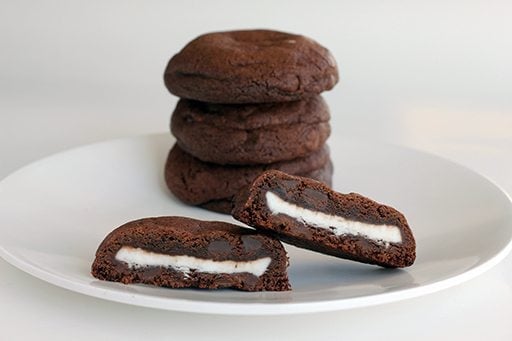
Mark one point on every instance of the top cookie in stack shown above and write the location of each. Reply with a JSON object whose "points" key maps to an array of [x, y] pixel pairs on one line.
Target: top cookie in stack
{"points": [[249, 102], [257, 66]]}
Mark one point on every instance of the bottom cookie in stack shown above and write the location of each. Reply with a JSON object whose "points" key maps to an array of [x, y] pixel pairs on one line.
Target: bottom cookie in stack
{"points": [[213, 186]]}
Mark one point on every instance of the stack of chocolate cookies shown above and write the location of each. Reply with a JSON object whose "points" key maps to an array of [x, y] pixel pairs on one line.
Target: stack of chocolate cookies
{"points": [[249, 102]]}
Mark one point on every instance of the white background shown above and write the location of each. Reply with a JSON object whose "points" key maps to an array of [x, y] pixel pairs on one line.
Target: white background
{"points": [[433, 75]]}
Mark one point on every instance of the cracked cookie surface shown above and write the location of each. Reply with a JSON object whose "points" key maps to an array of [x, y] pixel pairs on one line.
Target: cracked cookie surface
{"points": [[213, 186], [251, 133], [251, 66]]}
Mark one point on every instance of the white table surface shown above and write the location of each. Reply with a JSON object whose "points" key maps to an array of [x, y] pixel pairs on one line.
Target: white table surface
{"points": [[432, 75]]}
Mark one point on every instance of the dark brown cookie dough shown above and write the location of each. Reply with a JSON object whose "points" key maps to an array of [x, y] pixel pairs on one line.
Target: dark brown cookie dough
{"points": [[308, 214], [252, 66], [213, 186], [251, 134], [198, 254]]}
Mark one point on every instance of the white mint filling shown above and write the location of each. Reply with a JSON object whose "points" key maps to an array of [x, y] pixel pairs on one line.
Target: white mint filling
{"points": [[337, 225], [139, 258]]}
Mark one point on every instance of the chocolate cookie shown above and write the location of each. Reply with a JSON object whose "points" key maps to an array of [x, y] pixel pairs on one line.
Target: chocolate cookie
{"points": [[323, 174], [253, 66], [308, 214], [213, 186], [181, 252], [251, 134]]}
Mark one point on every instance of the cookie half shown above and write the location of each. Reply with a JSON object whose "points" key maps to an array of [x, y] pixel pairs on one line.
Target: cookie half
{"points": [[179, 252], [308, 214], [252, 133], [251, 66], [213, 186]]}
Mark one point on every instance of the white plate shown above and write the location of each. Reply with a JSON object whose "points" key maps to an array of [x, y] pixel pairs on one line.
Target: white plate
{"points": [[55, 212]]}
